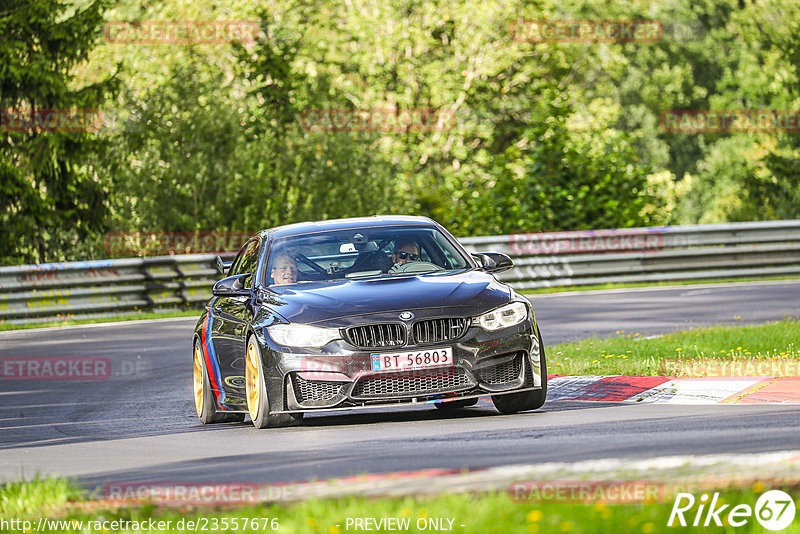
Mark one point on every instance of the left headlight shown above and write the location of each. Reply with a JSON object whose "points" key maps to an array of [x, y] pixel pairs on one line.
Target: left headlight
{"points": [[302, 335], [503, 317]]}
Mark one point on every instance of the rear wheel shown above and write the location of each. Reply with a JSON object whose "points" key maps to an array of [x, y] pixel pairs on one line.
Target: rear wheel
{"points": [[455, 405], [204, 403], [256, 392], [526, 400]]}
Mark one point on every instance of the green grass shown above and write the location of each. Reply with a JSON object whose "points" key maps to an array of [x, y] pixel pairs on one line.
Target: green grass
{"points": [[595, 287], [119, 318], [22, 499], [775, 345], [485, 513]]}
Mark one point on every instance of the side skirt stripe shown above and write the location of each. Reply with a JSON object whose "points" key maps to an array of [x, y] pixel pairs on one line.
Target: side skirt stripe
{"points": [[211, 362]]}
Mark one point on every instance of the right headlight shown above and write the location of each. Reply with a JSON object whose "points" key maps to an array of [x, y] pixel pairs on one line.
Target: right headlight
{"points": [[302, 335], [503, 317]]}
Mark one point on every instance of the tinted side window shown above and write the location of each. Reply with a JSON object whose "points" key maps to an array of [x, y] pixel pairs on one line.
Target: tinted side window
{"points": [[236, 262], [248, 261]]}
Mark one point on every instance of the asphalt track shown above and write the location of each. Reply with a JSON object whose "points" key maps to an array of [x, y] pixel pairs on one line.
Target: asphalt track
{"points": [[139, 423]]}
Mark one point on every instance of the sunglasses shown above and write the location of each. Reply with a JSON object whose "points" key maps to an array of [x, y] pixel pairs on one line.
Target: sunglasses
{"points": [[405, 255]]}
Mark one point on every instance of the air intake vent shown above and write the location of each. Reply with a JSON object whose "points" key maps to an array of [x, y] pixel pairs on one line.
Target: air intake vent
{"points": [[411, 383], [438, 330], [315, 390], [377, 335], [503, 373]]}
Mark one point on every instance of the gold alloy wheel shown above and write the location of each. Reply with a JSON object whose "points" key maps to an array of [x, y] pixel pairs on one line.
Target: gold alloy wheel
{"points": [[253, 381], [198, 380]]}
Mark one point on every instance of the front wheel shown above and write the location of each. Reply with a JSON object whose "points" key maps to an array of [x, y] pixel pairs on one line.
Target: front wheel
{"points": [[256, 391], [204, 403], [526, 400]]}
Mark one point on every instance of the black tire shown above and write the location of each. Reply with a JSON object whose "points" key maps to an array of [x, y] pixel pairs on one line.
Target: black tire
{"points": [[526, 400], [455, 405], [256, 392], [205, 404]]}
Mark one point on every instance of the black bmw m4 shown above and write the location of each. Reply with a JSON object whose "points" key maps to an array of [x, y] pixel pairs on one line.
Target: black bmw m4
{"points": [[358, 313]]}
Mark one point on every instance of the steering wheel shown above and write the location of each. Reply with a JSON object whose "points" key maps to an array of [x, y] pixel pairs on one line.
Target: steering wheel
{"points": [[414, 267]]}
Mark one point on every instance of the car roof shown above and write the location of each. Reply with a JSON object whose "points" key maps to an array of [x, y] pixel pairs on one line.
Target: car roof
{"points": [[344, 224]]}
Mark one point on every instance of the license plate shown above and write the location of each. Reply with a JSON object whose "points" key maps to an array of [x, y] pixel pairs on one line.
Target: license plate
{"points": [[416, 359]]}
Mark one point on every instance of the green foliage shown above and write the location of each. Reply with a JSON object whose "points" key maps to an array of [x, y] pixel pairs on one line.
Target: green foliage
{"points": [[175, 152], [189, 156], [535, 136], [50, 198], [775, 187], [555, 178]]}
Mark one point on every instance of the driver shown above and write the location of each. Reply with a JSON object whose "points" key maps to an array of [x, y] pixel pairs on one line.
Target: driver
{"points": [[284, 269], [405, 250]]}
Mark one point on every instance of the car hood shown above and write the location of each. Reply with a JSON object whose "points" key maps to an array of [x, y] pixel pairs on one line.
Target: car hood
{"points": [[320, 302]]}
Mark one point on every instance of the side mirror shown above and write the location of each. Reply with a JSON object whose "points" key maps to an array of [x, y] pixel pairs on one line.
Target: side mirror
{"points": [[493, 262], [231, 286]]}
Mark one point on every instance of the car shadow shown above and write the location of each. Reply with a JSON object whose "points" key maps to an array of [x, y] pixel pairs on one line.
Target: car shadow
{"points": [[483, 409]]}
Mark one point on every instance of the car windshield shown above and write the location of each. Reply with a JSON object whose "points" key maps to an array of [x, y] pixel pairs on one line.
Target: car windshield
{"points": [[361, 253]]}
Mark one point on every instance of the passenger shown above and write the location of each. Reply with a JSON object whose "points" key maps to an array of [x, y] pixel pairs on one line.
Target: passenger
{"points": [[284, 269], [405, 250]]}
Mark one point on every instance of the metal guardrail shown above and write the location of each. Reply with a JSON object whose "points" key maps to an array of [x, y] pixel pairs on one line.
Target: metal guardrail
{"points": [[103, 288], [57, 291], [656, 254]]}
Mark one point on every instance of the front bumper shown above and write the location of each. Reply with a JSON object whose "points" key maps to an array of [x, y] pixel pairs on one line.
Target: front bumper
{"points": [[340, 376]]}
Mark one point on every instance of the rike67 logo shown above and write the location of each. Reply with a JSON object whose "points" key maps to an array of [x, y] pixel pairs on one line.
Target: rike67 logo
{"points": [[774, 510]]}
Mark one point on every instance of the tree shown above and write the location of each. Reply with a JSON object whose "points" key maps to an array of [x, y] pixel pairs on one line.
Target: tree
{"points": [[50, 197]]}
